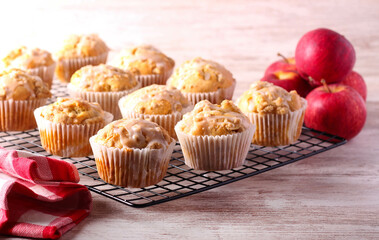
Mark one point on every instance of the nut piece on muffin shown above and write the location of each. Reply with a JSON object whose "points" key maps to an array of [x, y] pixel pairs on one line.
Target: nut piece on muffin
{"points": [[148, 64], [161, 104], [199, 79], [103, 84], [132, 152], [78, 51], [215, 137], [66, 125], [278, 114], [34, 61], [20, 94]]}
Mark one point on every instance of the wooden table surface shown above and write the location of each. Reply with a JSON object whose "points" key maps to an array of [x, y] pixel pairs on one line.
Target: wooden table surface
{"points": [[333, 195]]}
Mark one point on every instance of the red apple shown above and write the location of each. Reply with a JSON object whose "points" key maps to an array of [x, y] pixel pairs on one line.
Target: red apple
{"points": [[336, 109], [285, 64], [289, 80], [355, 80], [324, 54]]}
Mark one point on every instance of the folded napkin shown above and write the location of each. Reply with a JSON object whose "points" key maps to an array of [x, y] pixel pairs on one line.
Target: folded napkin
{"points": [[39, 196]]}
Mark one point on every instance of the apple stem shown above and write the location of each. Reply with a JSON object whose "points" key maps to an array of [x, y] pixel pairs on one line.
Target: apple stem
{"points": [[284, 58], [325, 85]]}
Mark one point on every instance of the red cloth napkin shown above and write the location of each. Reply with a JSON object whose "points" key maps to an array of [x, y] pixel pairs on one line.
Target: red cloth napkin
{"points": [[39, 196]]}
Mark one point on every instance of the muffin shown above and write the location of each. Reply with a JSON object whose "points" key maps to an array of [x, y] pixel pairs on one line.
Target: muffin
{"points": [[79, 51], [159, 103], [66, 125], [278, 114], [20, 94], [199, 79], [148, 64], [34, 61], [215, 137], [103, 84], [132, 152]]}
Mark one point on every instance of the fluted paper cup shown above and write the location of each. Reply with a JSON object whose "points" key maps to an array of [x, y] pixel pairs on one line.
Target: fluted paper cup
{"points": [[46, 73], [67, 67], [17, 115], [150, 79], [214, 97], [67, 140], [107, 100], [278, 129], [167, 121], [135, 168], [214, 153]]}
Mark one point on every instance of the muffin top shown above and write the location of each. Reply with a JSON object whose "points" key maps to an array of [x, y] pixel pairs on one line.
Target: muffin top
{"points": [[155, 99], [133, 133], [103, 78], [82, 46], [266, 98], [16, 84], [26, 58], [214, 120], [144, 60], [200, 75], [73, 111]]}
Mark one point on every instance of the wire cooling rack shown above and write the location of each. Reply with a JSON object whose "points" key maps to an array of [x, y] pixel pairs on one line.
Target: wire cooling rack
{"points": [[181, 180]]}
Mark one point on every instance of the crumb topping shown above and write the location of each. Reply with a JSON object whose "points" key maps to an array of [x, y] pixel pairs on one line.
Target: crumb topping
{"points": [[26, 58], [17, 84], [73, 111], [82, 46], [155, 99], [133, 133], [212, 119], [200, 75], [144, 60], [103, 78], [266, 98]]}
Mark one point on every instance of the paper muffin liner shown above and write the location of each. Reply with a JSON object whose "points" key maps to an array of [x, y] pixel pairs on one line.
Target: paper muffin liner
{"points": [[150, 79], [214, 97], [67, 140], [135, 168], [278, 129], [17, 115], [46, 73], [107, 100], [214, 153], [67, 67], [167, 121]]}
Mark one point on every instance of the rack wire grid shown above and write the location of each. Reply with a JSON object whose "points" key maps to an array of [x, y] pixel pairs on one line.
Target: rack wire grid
{"points": [[180, 180]]}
